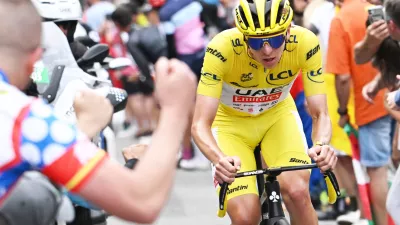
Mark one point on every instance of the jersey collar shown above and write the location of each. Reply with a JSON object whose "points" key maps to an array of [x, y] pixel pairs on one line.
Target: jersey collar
{"points": [[3, 77]]}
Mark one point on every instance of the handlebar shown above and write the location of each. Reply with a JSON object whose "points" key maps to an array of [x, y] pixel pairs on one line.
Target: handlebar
{"points": [[329, 176]]}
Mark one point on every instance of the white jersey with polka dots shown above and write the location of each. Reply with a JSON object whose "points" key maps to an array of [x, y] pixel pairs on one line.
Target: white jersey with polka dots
{"points": [[33, 137]]}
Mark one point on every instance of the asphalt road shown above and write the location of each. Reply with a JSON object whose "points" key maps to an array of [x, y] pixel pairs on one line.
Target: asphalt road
{"points": [[193, 199]]}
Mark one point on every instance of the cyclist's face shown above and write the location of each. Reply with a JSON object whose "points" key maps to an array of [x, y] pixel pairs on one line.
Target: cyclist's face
{"points": [[267, 50]]}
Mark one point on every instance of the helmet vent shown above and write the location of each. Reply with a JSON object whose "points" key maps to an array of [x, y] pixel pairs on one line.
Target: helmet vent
{"points": [[246, 23], [280, 10]]}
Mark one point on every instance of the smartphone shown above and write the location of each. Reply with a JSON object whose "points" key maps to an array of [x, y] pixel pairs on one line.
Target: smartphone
{"points": [[376, 13]]}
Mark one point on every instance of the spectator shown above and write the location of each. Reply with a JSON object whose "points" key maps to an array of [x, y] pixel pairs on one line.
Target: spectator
{"points": [[387, 60], [212, 18], [97, 12], [150, 41], [320, 22], [187, 42], [228, 6], [140, 105], [187, 34], [309, 10], [298, 9], [372, 119]]}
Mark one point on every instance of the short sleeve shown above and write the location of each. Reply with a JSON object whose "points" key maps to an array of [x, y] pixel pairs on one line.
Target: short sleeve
{"points": [[216, 65], [311, 64], [338, 57], [55, 147]]}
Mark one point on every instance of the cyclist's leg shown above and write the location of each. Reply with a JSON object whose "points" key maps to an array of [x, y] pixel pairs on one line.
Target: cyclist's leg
{"points": [[285, 145], [243, 204]]}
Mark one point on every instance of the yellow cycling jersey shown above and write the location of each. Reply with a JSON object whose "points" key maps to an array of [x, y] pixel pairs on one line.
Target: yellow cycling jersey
{"points": [[244, 86]]}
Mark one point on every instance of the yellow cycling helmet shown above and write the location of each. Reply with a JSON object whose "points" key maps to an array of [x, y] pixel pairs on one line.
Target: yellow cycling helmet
{"points": [[263, 17]]}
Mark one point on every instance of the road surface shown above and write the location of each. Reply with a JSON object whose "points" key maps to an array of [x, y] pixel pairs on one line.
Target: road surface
{"points": [[193, 199]]}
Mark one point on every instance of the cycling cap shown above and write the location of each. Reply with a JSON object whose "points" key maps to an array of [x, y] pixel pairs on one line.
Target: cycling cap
{"points": [[59, 10], [157, 3], [263, 17]]}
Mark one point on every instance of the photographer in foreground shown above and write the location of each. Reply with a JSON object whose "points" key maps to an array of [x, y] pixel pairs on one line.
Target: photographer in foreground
{"points": [[34, 137]]}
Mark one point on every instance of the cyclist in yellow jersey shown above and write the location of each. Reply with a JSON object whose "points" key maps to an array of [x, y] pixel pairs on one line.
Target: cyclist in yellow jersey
{"points": [[243, 100]]}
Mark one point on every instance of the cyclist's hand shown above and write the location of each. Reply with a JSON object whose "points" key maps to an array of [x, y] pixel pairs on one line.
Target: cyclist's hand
{"points": [[226, 169], [377, 32], [175, 85], [324, 156]]}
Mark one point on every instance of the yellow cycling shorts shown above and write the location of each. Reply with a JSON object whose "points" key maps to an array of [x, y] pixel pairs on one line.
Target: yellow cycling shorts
{"points": [[280, 132]]}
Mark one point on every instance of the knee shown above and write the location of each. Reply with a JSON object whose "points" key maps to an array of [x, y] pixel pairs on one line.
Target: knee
{"points": [[244, 211], [296, 191], [246, 217]]}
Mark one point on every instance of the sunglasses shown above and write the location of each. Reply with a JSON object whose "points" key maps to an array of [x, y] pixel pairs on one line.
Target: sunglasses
{"points": [[257, 43]]}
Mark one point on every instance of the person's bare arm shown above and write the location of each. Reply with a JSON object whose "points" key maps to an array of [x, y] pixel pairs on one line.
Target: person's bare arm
{"points": [[139, 195], [205, 111], [343, 83], [322, 127], [363, 52], [367, 48]]}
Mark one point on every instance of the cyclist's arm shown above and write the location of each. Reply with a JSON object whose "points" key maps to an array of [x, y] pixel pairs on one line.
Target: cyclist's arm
{"points": [[205, 111], [208, 94], [322, 127], [66, 156], [314, 87]]}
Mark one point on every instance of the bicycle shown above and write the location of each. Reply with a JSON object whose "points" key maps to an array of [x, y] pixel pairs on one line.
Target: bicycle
{"points": [[272, 211]]}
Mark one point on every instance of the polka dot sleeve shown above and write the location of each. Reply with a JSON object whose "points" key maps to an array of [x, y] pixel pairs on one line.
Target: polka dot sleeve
{"points": [[55, 146]]}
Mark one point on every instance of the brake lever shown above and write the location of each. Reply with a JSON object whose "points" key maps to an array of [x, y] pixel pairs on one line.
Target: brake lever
{"points": [[333, 180], [222, 195]]}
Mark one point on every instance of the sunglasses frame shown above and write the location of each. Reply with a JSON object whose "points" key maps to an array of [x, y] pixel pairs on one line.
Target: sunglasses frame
{"points": [[246, 38]]}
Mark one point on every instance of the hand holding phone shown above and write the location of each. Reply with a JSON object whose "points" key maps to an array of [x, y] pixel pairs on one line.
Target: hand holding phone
{"points": [[376, 13]]}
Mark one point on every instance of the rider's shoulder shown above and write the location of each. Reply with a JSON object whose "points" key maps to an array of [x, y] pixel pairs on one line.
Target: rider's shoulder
{"points": [[226, 41]]}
